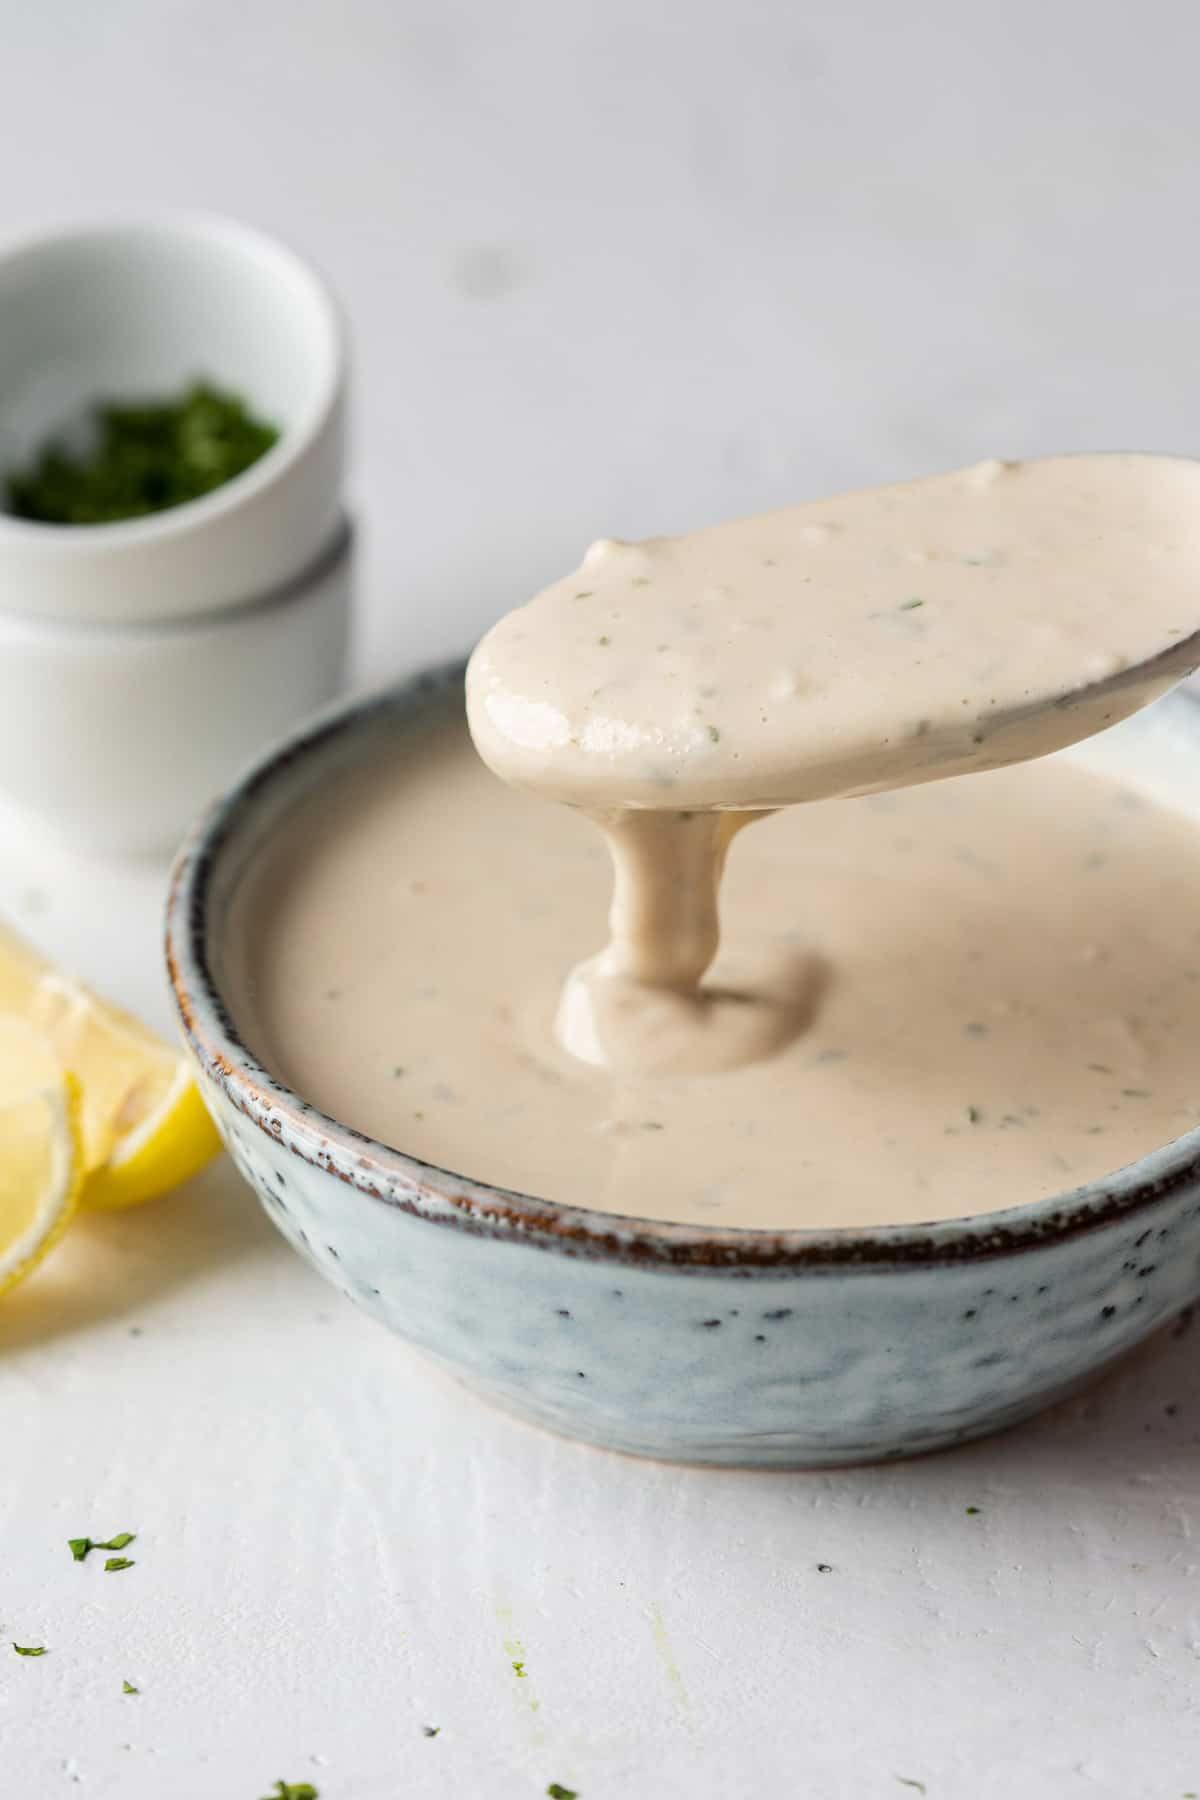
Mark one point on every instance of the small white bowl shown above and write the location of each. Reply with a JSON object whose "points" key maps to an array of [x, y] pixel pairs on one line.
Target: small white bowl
{"points": [[116, 735], [129, 310], [142, 662]]}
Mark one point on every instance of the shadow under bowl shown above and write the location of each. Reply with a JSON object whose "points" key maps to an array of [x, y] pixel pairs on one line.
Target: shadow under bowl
{"points": [[714, 1345]]}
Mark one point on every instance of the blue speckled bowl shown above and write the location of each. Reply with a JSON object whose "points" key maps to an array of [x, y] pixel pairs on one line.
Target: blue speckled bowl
{"points": [[706, 1345]]}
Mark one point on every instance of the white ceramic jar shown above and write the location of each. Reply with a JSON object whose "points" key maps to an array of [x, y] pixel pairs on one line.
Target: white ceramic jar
{"points": [[142, 662]]}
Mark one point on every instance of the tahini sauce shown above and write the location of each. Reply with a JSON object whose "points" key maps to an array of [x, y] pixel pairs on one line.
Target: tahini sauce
{"points": [[918, 1005]]}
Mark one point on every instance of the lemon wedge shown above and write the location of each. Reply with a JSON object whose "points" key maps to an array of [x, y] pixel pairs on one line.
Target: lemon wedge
{"points": [[143, 1123], [172, 1141], [41, 1150]]}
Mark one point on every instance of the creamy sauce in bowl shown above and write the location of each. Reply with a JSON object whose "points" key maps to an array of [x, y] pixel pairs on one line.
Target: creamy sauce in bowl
{"points": [[925, 995], [999, 977]]}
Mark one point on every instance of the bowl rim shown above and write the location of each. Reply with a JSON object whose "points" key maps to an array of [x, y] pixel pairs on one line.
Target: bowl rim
{"points": [[444, 1196], [289, 268]]}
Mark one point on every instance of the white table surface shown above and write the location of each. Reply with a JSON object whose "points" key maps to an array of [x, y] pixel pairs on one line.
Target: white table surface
{"points": [[611, 268]]}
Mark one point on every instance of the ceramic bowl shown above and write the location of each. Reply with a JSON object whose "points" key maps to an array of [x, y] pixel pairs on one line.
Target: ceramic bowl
{"points": [[142, 662], [143, 309], [114, 736], [717, 1345]]}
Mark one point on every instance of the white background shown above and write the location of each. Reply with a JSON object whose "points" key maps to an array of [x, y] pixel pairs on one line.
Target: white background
{"points": [[611, 268]]}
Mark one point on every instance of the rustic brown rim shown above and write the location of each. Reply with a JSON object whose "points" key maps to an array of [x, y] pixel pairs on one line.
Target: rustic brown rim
{"points": [[444, 1197]]}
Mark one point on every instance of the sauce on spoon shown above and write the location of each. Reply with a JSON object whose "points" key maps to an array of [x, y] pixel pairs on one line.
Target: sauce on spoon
{"points": [[673, 689]]}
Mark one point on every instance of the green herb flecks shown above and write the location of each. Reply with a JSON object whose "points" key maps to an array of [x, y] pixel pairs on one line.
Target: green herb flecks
{"points": [[30, 1649], [584, 594], [907, 1781], [971, 1511], [127, 1687], [430, 1730], [604, 642], [911, 605], [518, 1670], [80, 1546], [143, 458], [975, 1114], [118, 1562], [293, 1790], [714, 736], [557, 1791]]}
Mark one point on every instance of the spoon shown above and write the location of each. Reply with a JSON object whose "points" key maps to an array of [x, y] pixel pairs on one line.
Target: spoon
{"points": [[883, 638]]}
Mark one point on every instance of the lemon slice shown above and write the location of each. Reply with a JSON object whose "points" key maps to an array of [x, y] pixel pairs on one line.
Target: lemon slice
{"points": [[41, 1150], [143, 1122], [171, 1142]]}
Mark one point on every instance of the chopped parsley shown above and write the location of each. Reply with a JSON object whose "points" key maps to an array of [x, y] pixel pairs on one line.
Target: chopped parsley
{"points": [[432, 1730], [144, 456], [118, 1562], [974, 1114], [293, 1790], [907, 1781], [557, 1791], [80, 1546], [30, 1649], [714, 735], [910, 606], [604, 642], [127, 1687], [971, 1511], [518, 1670]]}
